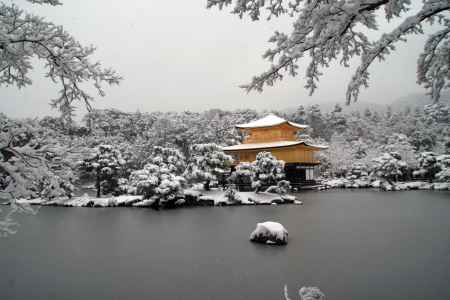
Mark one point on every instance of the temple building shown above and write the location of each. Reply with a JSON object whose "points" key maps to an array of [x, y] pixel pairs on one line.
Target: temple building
{"points": [[281, 138]]}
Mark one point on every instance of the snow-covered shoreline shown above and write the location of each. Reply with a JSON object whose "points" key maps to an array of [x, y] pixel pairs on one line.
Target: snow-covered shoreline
{"points": [[217, 197], [383, 185], [214, 197]]}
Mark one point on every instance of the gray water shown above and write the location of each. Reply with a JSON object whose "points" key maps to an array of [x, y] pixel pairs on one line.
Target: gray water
{"points": [[352, 244]]}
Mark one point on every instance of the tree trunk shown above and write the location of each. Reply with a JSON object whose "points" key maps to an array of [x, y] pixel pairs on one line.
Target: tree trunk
{"points": [[97, 183], [206, 185]]}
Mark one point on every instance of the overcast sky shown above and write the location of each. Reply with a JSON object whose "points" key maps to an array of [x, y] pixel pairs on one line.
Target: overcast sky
{"points": [[177, 55]]}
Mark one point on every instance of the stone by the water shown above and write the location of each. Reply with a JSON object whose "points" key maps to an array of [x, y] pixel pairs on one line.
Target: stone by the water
{"points": [[269, 233]]}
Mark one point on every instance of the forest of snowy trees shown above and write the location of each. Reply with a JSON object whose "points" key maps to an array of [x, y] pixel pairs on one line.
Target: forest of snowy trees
{"points": [[161, 153]]}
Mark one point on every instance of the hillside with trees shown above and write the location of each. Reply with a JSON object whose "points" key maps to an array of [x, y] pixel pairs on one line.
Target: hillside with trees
{"points": [[160, 153]]}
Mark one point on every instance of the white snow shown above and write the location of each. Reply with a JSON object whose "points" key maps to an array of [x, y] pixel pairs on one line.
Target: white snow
{"points": [[442, 186], [269, 145], [414, 185], [311, 293], [217, 196], [36, 201], [125, 200], [213, 197], [144, 203], [269, 232], [268, 121], [262, 145]]}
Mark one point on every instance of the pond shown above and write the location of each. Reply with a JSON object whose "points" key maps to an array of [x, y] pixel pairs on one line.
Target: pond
{"points": [[352, 244]]}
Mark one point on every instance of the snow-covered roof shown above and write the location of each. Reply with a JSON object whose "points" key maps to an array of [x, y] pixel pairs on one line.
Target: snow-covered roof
{"points": [[267, 145], [268, 121]]}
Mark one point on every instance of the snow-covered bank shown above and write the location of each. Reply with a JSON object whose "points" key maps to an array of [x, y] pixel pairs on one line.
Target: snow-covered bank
{"points": [[191, 197], [383, 185], [218, 197]]}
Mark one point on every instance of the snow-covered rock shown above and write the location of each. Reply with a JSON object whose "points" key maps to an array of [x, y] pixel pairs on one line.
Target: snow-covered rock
{"points": [[426, 186], [82, 201], [37, 201], [401, 186], [361, 183], [145, 203], [441, 186], [245, 200], [335, 183], [104, 202], [415, 185], [180, 202], [269, 233], [376, 184], [127, 200], [386, 186], [206, 200], [288, 198], [311, 293], [264, 198]]}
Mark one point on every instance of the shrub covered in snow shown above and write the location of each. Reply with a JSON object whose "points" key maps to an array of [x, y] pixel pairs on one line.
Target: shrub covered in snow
{"points": [[265, 171], [433, 167], [243, 175], [390, 166], [231, 194], [281, 188], [357, 170], [207, 163], [401, 144], [443, 162], [160, 178], [169, 158], [268, 171]]}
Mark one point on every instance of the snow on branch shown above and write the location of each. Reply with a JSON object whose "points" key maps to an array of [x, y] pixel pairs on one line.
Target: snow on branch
{"points": [[328, 31], [433, 67], [24, 36], [384, 46], [51, 2]]}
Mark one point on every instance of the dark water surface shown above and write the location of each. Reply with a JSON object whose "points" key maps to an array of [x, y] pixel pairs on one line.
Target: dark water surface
{"points": [[352, 244]]}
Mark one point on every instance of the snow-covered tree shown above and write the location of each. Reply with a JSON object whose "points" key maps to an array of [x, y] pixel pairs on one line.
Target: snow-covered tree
{"points": [[400, 143], [207, 163], [390, 166], [339, 154], [106, 163], [427, 165], [169, 158], [32, 162], [269, 171], [443, 162], [299, 116], [328, 31], [157, 182], [24, 37], [315, 119], [161, 177]]}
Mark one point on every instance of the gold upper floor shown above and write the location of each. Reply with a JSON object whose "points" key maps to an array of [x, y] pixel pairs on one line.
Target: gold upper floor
{"points": [[282, 132]]}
